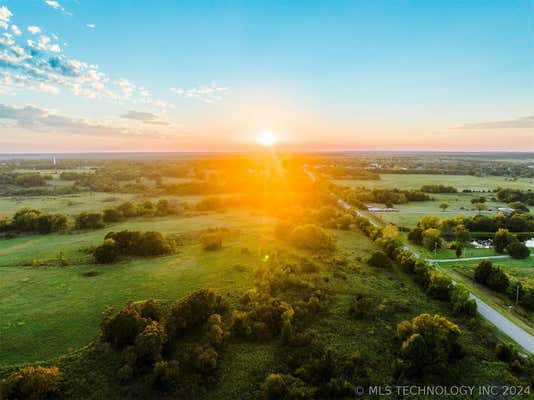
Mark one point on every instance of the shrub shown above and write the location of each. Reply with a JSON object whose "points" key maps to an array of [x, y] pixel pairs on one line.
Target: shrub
{"points": [[517, 249], [111, 215], [498, 280], [461, 303], [428, 341], [501, 240], [505, 352], [87, 220], [215, 330], [150, 309], [31, 383], [152, 244], [149, 343], [422, 273], [211, 240], [439, 286], [311, 237], [127, 209], [379, 259], [416, 235], [194, 310], [482, 271], [106, 253], [166, 374], [432, 239], [282, 230], [204, 359], [122, 329]]}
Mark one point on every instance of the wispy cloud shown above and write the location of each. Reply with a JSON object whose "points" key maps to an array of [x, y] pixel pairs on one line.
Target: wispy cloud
{"points": [[207, 94], [5, 16], [144, 117], [57, 6], [517, 123], [91, 26], [41, 120]]}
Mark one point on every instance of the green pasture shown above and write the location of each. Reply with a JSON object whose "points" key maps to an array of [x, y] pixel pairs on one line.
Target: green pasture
{"points": [[461, 182]]}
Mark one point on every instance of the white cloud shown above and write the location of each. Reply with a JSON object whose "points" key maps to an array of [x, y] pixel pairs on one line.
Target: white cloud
{"points": [[34, 29], [92, 26], [56, 6], [207, 94], [55, 48], [16, 30], [5, 16]]}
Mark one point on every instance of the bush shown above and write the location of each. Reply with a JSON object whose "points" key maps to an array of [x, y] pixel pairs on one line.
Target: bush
{"points": [[122, 329], [439, 286], [204, 359], [149, 343], [482, 271], [127, 209], [31, 383], [505, 352], [87, 220], [166, 375], [422, 273], [194, 310], [211, 240], [215, 330], [380, 259], [111, 215], [517, 249], [106, 253], [432, 239], [428, 341], [461, 303], [501, 240], [498, 280], [311, 237]]}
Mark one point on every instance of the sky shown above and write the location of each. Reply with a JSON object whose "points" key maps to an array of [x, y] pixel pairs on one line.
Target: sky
{"points": [[92, 75]]}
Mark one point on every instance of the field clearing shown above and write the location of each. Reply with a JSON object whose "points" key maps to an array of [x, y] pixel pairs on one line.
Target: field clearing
{"points": [[461, 182], [22, 250], [459, 205], [76, 203], [49, 311]]}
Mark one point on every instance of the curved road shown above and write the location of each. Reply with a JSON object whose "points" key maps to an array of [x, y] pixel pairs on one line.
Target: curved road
{"points": [[510, 329]]}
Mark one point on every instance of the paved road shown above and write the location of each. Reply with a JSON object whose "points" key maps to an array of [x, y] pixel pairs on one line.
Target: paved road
{"points": [[514, 332], [466, 259]]}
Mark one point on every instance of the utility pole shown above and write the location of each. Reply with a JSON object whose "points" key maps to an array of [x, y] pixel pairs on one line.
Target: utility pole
{"points": [[516, 294]]}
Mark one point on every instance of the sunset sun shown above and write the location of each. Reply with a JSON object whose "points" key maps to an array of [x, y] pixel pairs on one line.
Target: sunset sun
{"points": [[267, 138]]}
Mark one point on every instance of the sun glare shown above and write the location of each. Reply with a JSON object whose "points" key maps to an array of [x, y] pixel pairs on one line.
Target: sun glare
{"points": [[266, 138]]}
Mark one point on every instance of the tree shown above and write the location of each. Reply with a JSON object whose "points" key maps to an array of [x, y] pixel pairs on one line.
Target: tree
{"points": [[31, 383], [416, 235], [439, 286], [482, 271], [122, 329], [428, 221], [459, 250], [518, 249], [311, 237], [428, 341], [501, 240], [443, 206], [111, 215], [462, 234], [518, 206], [432, 239], [480, 207]]}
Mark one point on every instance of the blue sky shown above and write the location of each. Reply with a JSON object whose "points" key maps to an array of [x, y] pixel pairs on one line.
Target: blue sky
{"points": [[195, 75]]}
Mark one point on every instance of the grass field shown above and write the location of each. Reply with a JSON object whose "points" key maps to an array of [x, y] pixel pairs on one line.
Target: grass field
{"points": [[48, 311], [459, 205], [76, 203], [461, 182]]}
